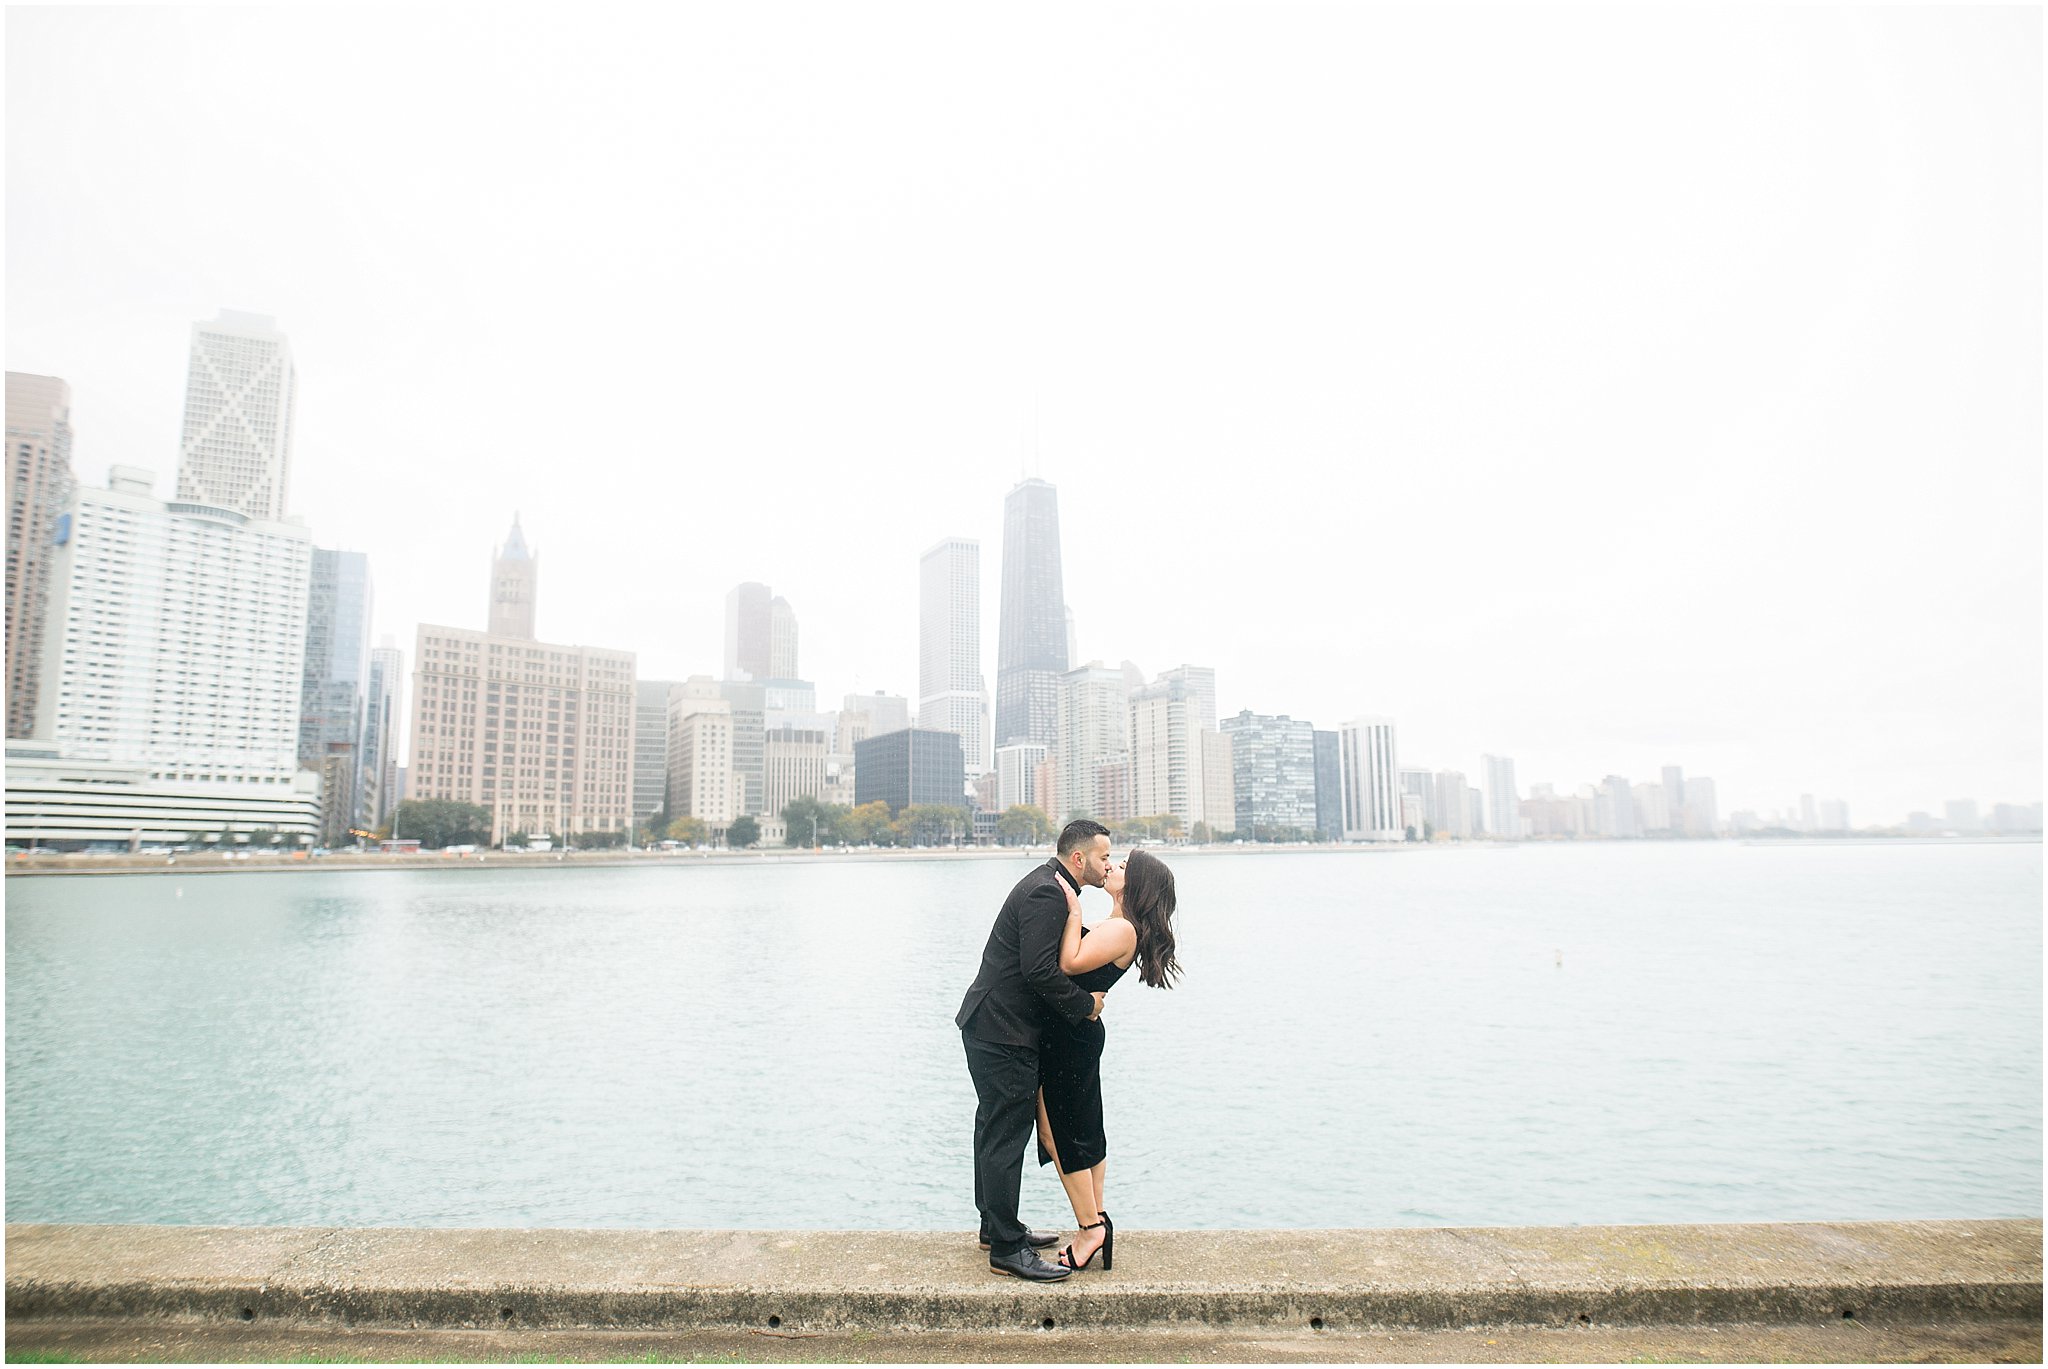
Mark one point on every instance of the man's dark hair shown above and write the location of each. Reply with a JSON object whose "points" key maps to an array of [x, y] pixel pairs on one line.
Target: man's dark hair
{"points": [[1079, 833]]}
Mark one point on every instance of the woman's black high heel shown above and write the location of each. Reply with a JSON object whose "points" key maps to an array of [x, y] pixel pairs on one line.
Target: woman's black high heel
{"points": [[1067, 1255], [1108, 1239]]}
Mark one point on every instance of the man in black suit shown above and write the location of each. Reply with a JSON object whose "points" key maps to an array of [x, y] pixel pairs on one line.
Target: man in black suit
{"points": [[1019, 982]]}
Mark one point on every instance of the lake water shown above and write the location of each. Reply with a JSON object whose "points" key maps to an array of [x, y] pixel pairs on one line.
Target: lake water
{"points": [[1552, 1034]]}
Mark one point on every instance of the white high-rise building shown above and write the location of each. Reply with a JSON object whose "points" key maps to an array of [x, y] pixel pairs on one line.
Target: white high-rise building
{"points": [[1503, 805], [39, 489], [1653, 812], [240, 395], [1219, 783], [1369, 780], [1017, 769], [1702, 807], [702, 781], [178, 638], [781, 640], [1166, 749], [952, 695], [1093, 744]]}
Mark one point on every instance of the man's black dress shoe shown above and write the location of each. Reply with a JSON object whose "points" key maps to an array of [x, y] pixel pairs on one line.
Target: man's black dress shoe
{"points": [[1026, 1264], [1041, 1239]]}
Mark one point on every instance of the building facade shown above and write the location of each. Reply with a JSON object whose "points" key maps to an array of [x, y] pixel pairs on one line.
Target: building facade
{"points": [[334, 693], [650, 747], [1166, 752], [1329, 788], [241, 394], [750, 632], [39, 490], [1031, 642], [1273, 769], [1017, 776], [386, 714], [539, 734], [176, 639], [1092, 744], [793, 767], [1503, 804], [59, 803], [912, 765], [1368, 779], [702, 783], [952, 694], [1219, 784]]}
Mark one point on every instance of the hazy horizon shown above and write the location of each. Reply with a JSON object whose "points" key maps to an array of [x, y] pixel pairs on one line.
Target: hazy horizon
{"points": [[1605, 389]]}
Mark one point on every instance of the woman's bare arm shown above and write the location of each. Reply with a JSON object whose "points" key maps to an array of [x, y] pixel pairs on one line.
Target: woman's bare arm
{"points": [[1112, 940]]}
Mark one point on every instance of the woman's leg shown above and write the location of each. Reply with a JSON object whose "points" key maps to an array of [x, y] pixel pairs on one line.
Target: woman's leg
{"points": [[1095, 1175], [1080, 1187]]}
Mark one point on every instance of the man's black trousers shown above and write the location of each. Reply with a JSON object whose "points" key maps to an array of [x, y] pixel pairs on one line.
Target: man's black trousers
{"points": [[1006, 1085]]}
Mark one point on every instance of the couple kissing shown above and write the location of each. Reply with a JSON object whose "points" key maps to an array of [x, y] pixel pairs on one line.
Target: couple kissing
{"points": [[1032, 1027]]}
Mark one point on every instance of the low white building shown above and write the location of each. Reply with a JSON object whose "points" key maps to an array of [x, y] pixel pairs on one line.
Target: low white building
{"points": [[56, 803]]}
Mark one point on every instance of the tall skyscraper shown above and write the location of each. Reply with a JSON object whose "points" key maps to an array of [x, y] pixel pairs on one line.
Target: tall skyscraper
{"points": [[701, 781], [952, 695], [884, 713], [1273, 763], [1017, 770], [1166, 752], [1031, 643], [1368, 780], [781, 640], [650, 747], [1674, 797], [541, 735], [749, 728], [386, 716], [1329, 788], [1452, 813], [1614, 808], [1702, 807], [1092, 754], [39, 490], [334, 694], [515, 587], [241, 393], [792, 767], [750, 632], [1219, 784], [177, 638], [1503, 804]]}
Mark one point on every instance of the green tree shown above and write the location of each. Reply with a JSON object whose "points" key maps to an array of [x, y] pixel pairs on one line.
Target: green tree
{"points": [[933, 824], [798, 819], [443, 822], [686, 829], [1022, 824], [743, 833], [868, 823]]}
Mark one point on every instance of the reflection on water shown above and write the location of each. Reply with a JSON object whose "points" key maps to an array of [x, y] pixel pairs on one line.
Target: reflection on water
{"points": [[1617, 1033]]}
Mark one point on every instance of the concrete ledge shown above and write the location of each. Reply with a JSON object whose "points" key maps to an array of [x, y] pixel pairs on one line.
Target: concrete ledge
{"points": [[1421, 1279]]}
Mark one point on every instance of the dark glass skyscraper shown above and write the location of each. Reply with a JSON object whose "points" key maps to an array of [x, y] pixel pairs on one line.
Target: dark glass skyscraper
{"points": [[1031, 642]]}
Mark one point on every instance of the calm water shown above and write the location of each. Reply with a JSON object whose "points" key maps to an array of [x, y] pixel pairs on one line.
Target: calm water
{"points": [[1732, 1033]]}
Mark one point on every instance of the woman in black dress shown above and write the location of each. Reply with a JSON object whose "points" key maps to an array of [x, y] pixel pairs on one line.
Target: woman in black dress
{"points": [[1139, 929]]}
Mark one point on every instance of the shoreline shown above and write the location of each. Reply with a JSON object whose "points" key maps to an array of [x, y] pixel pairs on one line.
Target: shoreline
{"points": [[27, 865]]}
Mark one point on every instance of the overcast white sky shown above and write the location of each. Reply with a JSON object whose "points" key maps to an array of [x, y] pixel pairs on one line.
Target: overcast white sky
{"points": [[1602, 388]]}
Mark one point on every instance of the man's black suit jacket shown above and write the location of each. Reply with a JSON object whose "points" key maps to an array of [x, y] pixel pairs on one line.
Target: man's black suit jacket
{"points": [[1020, 975]]}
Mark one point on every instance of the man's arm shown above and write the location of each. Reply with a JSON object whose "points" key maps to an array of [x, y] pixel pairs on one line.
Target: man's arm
{"points": [[1039, 922]]}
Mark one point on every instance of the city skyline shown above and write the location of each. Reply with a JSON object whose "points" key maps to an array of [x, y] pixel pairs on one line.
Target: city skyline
{"points": [[1627, 592]]}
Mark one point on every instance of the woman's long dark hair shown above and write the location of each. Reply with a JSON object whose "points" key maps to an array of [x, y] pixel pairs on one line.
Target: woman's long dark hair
{"points": [[1148, 903]]}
